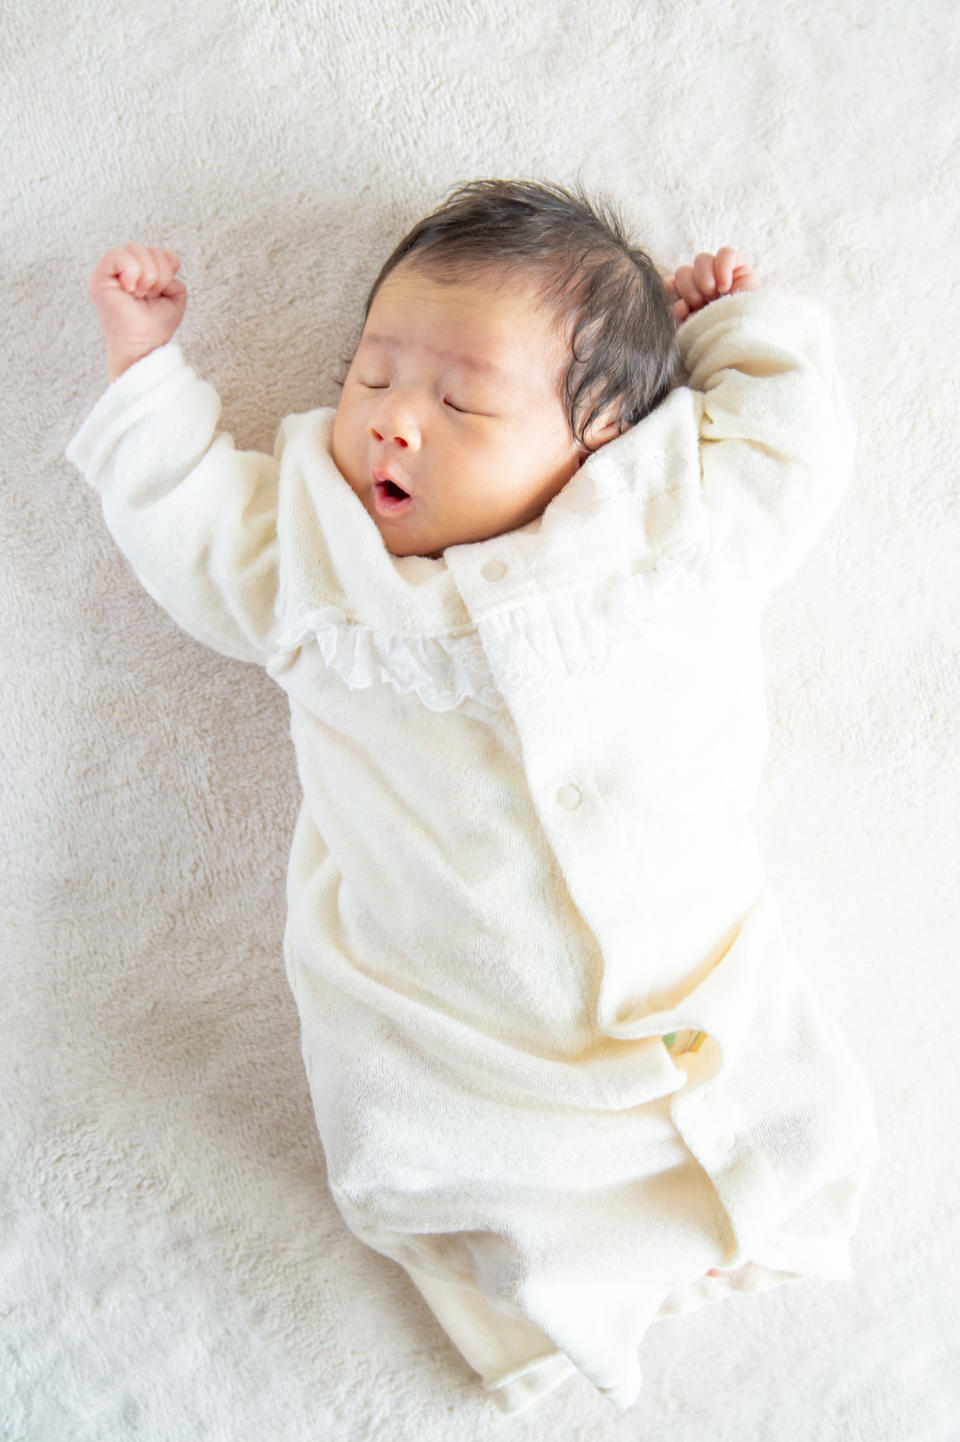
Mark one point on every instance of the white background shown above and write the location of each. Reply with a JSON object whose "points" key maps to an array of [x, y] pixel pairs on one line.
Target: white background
{"points": [[172, 1266]]}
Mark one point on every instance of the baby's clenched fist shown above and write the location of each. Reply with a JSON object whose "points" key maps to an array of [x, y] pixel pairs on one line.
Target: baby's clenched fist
{"points": [[138, 300], [709, 278]]}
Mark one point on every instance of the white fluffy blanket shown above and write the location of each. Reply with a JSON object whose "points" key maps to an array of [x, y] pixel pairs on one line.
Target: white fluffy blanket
{"points": [[172, 1266]]}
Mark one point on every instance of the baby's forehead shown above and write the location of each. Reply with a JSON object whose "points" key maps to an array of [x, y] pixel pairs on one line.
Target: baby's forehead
{"points": [[466, 360], [495, 336], [420, 296]]}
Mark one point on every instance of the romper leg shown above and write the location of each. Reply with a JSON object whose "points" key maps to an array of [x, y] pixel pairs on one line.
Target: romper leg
{"points": [[518, 1363]]}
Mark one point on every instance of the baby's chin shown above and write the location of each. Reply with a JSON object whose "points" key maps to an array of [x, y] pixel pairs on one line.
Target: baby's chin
{"points": [[399, 545], [403, 549]]}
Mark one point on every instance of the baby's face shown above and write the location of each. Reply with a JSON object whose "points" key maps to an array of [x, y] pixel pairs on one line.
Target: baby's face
{"points": [[450, 427]]}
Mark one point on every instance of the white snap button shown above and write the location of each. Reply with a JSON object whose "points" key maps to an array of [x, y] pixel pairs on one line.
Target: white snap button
{"points": [[726, 1141], [568, 797], [493, 571]]}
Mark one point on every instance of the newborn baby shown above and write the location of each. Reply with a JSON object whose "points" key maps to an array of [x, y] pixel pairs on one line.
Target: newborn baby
{"points": [[565, 1068]]}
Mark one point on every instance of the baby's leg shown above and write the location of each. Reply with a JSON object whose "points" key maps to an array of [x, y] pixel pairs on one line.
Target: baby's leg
{"points": [[518, 1363]]}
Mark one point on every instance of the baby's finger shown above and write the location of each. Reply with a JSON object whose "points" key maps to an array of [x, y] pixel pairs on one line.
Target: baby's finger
{"points": [[165, 273], [744, 278], [703, 274], [128, 267], [686, 287], [727, 260], [147, 268], [113, 265], [169, 266], [678, 307]]}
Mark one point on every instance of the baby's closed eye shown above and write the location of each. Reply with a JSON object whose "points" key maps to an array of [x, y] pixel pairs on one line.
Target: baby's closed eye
{"points": [[467, 408], [460, 405]]}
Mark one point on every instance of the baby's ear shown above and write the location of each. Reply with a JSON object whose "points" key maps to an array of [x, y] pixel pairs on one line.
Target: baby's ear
{"points": [[603, 428]]}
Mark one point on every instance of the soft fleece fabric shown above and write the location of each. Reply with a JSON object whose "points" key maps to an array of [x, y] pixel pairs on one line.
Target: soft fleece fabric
{"points": [[523, 856]]}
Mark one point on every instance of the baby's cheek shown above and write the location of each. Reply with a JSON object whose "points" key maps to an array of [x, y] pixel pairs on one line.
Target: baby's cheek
{"points": [[344, 444]]}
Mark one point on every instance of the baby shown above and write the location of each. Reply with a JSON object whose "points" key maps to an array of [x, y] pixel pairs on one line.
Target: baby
{"points": [[564, 1066]]}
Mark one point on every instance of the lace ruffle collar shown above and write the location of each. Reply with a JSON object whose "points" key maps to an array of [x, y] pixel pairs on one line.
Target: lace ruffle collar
{"points": [[512, 653]]}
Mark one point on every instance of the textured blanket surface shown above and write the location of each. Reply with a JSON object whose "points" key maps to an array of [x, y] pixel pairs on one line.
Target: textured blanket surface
{"points": [[171, 1264]]}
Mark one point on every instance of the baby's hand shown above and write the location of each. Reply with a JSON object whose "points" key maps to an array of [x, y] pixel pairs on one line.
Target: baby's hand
{"points": [[710, 276], [138, 302]]}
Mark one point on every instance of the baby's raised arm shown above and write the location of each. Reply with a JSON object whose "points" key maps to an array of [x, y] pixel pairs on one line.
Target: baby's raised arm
{"points": [[693, 286], [776, 436], [138, 300], [195, 517]]}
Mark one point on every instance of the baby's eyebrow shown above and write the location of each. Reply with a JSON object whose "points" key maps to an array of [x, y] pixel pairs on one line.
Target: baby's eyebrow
{"points": [[482, 367]]}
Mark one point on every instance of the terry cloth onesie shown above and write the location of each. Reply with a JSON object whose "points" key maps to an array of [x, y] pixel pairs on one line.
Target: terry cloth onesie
{"points": [[524, 857]]}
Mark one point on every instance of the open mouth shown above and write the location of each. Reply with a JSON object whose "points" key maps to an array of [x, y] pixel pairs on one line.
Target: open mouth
{"points": [[389, 498]]}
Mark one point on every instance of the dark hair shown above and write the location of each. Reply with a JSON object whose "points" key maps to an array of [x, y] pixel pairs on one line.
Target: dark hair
{"points": [[622, 335]]}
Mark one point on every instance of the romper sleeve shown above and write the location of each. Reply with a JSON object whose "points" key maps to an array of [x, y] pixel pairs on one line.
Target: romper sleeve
{"points": [[195, 517], [776, 438]]}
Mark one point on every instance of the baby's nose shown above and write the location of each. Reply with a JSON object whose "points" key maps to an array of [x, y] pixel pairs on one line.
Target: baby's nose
{"points": [[398, 439], [396, 422]]}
